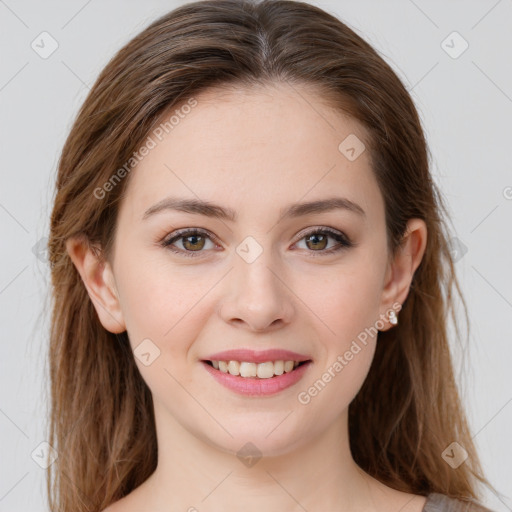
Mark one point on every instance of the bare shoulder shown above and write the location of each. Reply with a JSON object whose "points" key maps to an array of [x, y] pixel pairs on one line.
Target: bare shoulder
{"points": [[406, 502], [114, 507], [123, 505], [387, 499], [135, 501], [437, 502]]}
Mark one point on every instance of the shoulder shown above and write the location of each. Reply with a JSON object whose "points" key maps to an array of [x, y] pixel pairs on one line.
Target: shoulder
{"points": [[437, 502], [132, 502], [117, 506]]}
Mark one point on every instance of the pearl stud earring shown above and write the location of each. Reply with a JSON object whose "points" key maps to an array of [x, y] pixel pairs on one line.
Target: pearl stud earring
{"points": [[392, 318]]}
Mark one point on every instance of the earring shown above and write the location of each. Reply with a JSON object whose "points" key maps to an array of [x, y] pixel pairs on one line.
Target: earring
{"points": [[392, 318]]}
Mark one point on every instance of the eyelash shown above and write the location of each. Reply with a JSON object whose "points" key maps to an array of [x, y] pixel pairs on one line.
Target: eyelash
{"points": [[343, 241]]}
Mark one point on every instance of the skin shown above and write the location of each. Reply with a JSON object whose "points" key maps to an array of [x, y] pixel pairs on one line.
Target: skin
{"points": [[255, 151]]}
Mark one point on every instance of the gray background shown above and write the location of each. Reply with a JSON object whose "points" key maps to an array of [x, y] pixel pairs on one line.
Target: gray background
{"points": [[465, 104]]}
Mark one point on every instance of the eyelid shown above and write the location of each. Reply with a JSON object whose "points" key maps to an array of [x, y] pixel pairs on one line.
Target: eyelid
{"points": [[179, 233], [315, 229], [344, 242]]}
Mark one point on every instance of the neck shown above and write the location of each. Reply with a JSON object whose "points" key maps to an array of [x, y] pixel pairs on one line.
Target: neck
{"points": [[194, 475]]}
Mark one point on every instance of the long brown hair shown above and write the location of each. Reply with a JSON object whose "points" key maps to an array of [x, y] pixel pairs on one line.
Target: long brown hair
{"points": [[408, 410]]}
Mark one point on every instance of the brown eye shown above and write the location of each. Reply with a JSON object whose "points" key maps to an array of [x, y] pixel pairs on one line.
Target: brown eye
{"points": [[192, 241], [316, 241]]}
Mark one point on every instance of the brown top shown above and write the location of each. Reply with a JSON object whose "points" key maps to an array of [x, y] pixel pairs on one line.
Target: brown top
{"points": [[441, 503]]}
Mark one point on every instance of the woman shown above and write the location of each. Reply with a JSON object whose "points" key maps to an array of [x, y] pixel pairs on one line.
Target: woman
{"points": [[251, 279]]}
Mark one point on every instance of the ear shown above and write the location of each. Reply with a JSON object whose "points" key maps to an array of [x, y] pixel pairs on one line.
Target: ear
{"points": [[400, 271], [98, 278]]}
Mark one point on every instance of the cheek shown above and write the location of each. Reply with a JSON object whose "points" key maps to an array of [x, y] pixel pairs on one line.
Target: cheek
{"points": [[161, 313], [347, 309], [162, 301], [345, 302], [347, 332]]}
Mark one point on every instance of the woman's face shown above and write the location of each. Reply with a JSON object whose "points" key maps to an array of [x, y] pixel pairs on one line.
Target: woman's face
{"points": [[259, 281]]}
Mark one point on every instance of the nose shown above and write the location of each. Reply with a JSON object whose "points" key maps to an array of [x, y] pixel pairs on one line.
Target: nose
{"points": [[256, 296]]}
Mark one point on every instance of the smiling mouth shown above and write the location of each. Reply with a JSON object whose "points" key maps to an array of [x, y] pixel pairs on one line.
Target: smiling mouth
{"points": [[248, 370]]}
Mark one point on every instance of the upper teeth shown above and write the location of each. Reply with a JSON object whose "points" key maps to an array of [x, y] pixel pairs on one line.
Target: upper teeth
{"points": [[262, 370]]}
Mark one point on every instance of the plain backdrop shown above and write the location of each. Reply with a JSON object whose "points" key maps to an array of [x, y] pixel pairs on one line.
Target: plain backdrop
{"points": [[462, 85]]}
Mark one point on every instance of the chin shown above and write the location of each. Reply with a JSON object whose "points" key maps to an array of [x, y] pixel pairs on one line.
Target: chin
{"points": [[260, 439]]}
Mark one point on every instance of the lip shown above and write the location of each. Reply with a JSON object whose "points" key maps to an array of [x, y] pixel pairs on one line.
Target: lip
{"points": [[254, 386], [262, 356]]}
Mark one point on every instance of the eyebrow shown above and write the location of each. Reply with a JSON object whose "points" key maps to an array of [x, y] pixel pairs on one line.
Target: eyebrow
{"points": [[208, 209]]}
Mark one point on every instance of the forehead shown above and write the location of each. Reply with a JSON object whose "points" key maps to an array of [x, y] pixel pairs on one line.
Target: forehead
{"points": [[253, 148]]}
